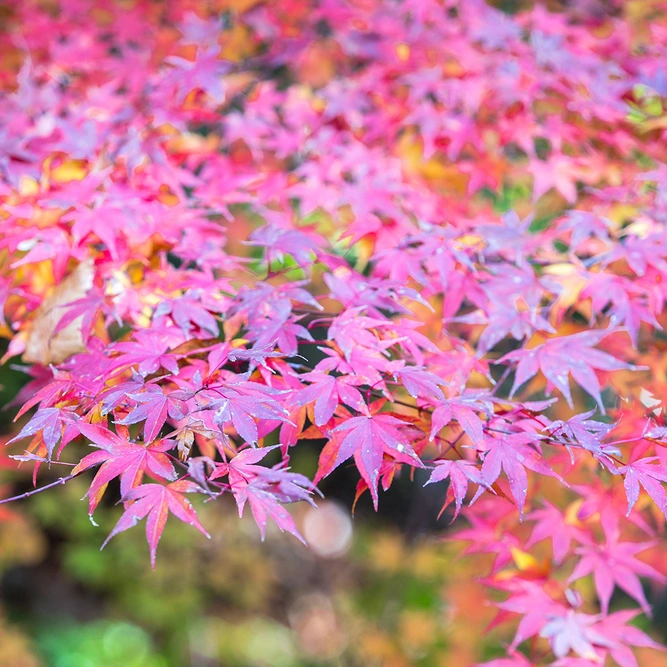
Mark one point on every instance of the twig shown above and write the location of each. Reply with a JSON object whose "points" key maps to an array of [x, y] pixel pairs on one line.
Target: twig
{"points": [[27, 494], [501, 379]]}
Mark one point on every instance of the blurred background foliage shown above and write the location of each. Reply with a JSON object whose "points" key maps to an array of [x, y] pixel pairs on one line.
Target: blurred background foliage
{"points": [[364, 594], [386, 590]]}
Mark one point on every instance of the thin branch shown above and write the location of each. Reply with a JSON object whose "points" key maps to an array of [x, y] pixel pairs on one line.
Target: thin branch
{"points": [[501, 379], [27, 494], [452, 445]]}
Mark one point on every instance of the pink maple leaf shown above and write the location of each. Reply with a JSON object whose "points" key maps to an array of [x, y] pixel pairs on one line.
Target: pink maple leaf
{"points": [[573, 631], [559, 357], [460, 473], [149, 349], [186, 311], [614, 564], [86, 308], [420, 382], [512, 454], [153, 409], [552, 523], [265, 488], [464, 410], [581, 431], [647, 474], [154, 502], [241, 403], [368, 438], [328, 391], [121, 458], [52, 424]]}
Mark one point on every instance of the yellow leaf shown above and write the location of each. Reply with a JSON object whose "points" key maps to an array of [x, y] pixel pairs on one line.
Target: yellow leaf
{"points": [[28, 187], [619, 213], [468, 240], [403, 51], [237, 44], [523, 560], [69, 170]]}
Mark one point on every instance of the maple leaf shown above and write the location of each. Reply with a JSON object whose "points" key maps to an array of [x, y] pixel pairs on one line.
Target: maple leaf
{"points": [[580, 430], [328, 391], [243, 468], [112, 397], [502, 237], [485, 536], [85, 308], [153, 409], [154, 502], [205, 72], [264, 488], [583, 225], [187, 311], [642, 252], [53, 424], [419, 382], [263, 504], [100, 221], [610, 503], [616, 628], [568, 354], [575, 632], [368, 438], [279, 242], [352, 330], [650, 476], [460, 473], [149, 350], [464, 410], [613, 564], [121, 458], [240, 403], [268, 311], [528, 598], [551, 523], [627, 304], [593, 638], [258, 354], [502, 320], [512, 454]]}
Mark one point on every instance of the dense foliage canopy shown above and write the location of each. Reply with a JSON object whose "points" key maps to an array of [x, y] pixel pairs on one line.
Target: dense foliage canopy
{"points": [[419, 234]]}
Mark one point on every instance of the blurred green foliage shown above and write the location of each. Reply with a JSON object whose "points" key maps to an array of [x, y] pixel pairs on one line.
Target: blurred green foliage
{"points": [[232, 601]]}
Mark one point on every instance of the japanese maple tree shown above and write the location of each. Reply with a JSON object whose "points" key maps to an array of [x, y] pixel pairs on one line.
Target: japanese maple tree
{"points": [[426, 235]]}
